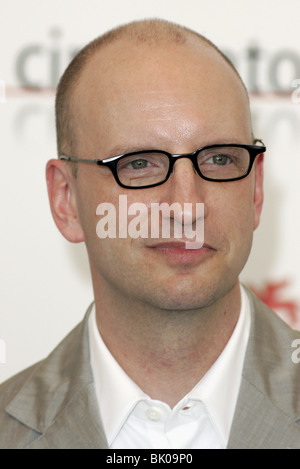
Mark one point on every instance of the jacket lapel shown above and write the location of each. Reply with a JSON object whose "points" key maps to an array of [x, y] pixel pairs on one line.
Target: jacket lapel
{"points": [[58, 402], [77, 427], [259, 424], [267, 414]]}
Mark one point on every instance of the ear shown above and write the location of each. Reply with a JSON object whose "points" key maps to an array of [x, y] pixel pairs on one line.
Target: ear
{"points": [[258, 189], [62, 198]]}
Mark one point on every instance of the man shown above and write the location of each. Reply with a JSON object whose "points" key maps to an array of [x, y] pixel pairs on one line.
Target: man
{"points": [[174, 352]]}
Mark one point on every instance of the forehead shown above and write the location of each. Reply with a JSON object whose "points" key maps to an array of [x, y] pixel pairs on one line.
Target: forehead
{"points": [[123, 62], [158, 82]]}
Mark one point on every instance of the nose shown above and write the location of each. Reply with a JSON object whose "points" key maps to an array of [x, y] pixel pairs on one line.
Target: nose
{"points": [[186, 187], [185, 182]]}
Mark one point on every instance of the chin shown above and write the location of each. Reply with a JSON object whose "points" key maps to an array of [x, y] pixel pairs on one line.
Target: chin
{"points": [[193, 294], [186, 298]]}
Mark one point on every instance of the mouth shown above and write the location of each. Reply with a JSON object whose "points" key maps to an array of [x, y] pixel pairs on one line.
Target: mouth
{"points": [[185, 252], [178, 245]]}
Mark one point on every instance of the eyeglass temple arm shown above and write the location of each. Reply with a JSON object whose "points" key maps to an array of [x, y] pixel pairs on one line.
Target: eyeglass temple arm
{"points": [[79, 160]]}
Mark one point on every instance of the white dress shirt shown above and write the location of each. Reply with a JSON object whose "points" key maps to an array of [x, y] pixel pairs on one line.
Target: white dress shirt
{"points": [[202, 419]]}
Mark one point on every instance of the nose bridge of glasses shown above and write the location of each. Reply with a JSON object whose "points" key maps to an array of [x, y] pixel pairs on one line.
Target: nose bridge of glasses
{"points": [[190, 156]]}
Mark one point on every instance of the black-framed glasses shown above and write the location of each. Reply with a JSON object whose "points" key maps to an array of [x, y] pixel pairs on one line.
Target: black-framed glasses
{"points": [[149, 168]]}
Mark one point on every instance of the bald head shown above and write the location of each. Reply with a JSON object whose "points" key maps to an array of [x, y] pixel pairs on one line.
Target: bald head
{"points": [[148, 34]]}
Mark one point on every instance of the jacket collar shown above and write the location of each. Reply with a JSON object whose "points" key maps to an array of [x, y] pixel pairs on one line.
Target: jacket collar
{"points": [[59, 397], [268, 406]]}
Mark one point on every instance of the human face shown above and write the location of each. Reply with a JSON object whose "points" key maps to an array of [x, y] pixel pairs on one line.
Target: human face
{"points": [[173, 98]]}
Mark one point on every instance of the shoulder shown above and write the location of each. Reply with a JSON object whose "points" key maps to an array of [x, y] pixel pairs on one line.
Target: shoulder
{"points": [[267, 324], [10, 387], [12, 433], [31, 400], [271, 360]]}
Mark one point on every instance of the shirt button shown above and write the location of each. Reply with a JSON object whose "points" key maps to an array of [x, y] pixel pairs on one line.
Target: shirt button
{"points": [[153, 414]]}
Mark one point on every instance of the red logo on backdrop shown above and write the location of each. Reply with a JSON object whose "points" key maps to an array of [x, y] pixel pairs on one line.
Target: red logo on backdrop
{"points": [[273, 295]]}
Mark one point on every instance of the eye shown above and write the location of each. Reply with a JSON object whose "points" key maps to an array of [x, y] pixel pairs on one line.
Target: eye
{"points": [[145, 162], [219, 159], [137, 164]]}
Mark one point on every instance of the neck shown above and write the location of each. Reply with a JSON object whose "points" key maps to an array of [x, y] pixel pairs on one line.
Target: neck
{"points": [[166, 352]]}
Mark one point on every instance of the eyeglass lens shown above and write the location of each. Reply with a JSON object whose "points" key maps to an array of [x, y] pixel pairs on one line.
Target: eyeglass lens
{"points": [[145, 169]]}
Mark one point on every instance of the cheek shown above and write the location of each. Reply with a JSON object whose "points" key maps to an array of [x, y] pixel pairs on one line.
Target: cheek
{"points": [[99, 216], [87, 213], [96, 197], [232, 213]]}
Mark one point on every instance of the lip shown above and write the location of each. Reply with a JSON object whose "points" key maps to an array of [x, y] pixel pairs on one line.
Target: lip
{"points": [[185, 252]]}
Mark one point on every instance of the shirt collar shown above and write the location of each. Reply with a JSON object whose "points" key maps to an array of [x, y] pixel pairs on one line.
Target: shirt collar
{"points": [[117, 394]]}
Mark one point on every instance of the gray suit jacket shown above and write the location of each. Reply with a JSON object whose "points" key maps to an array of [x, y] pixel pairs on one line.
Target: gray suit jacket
{"points": [[53, 404]]}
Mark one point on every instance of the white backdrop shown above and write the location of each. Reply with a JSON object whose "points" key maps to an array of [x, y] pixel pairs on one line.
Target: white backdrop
{"points": [[45, 281]]}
